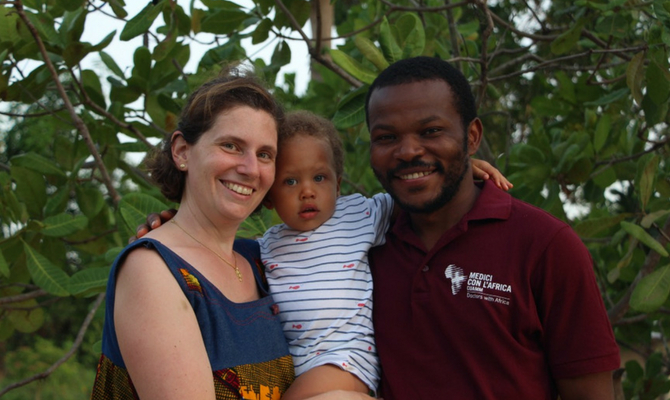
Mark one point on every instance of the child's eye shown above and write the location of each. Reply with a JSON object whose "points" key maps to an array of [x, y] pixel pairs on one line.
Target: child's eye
{"points": [[319, 178], [291, 181]]}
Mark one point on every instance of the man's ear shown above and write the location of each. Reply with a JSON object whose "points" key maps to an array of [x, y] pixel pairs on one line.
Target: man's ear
{"points": [[475, 135], [179, 148]]}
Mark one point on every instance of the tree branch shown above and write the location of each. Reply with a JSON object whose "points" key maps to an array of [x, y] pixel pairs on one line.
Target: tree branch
{"points": [[78, 122], [312, 51], [73, 349], [23, 297]]}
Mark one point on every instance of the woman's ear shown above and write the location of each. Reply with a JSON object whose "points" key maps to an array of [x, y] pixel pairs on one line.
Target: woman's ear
{"points": [[267, 202], [179, 150]]}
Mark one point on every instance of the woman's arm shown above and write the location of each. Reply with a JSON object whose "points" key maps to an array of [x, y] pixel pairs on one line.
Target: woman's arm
{"points": [[158, 332]]}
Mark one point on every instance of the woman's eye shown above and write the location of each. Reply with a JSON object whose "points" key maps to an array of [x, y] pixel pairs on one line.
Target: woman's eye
{"points": [[229, 146], [319, 178], [265, 156]]}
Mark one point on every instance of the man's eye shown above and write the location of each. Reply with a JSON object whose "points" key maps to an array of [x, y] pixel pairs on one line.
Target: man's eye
{"points": [[383, 138], [319, 178], [431, 130]]}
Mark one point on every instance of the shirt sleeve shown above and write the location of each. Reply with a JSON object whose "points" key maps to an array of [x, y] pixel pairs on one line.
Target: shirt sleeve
{"points": [[381, 208], [577, 334]]}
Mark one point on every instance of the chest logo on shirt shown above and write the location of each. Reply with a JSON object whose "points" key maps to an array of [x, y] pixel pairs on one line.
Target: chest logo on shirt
{"points": [[479, 286]]}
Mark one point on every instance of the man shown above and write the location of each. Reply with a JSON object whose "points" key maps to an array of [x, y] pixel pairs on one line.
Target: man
{"points": [[476, 295]]}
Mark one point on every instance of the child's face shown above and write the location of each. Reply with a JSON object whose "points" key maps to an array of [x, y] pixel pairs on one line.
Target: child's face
{"points": [[306, 185]]}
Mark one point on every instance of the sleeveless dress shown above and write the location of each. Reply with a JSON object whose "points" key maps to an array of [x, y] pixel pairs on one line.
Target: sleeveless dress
{"points": [[244, 341]]}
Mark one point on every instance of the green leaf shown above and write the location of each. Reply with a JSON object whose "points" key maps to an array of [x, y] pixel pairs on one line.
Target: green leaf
{"points": [[111, 64], [602, 132], [414, 38], [71, 5], [593, 226], [634, 75], [568, 39], [640, 234], [658, 87], [652, 291], [4, 266], [223, 22], [610, 98], [57, 203], [653, 112], [91, 83], [90, 200], [262, 31], [8, 25], [651, 218], [141, 23], [392, 52], [165, 46], [142, 67], [37, 163], [351, 110], [135, 207], [353, 67], [647, 176], [117, 8], [90, 279], [282, 54], [75, 52], [45, 26], [30, 188], [46, 275], [104, 42], [29, 320], [371, 52], [63, 224]]}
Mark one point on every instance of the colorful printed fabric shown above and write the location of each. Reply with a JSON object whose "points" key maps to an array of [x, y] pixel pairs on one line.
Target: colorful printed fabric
{"points": [[259, 367]]}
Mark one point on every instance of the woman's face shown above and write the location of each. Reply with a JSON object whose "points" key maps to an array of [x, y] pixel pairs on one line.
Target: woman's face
{"points": [[232, 166]]}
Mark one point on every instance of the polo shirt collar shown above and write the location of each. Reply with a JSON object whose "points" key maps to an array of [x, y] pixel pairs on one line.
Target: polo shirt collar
{"points": [[492, 203]]}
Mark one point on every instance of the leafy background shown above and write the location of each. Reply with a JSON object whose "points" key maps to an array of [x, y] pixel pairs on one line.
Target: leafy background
{"points": [[573, 96]]}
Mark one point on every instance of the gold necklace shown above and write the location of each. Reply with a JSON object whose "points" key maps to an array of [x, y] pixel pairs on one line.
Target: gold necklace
{"points": [[237, 270]]}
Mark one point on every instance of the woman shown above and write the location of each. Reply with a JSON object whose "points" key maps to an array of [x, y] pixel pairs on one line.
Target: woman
{"points": [[188, 316]]}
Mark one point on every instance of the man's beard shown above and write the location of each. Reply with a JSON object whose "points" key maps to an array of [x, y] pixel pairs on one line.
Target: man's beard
{"points": [[450, 185]]}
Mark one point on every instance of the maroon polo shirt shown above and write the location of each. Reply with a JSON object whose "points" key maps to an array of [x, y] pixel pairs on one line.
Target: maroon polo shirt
{"points": [[504, 303]]}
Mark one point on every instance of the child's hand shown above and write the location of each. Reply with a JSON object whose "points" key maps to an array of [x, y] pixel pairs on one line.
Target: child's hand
{"points": [[483, 170], [154, 220]]}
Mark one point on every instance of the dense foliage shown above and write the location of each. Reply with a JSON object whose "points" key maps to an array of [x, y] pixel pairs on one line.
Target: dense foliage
{"points": [[573, 95]]}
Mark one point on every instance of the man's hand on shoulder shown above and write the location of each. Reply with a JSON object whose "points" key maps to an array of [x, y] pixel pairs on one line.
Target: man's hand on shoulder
{"points": [[154, 220]]}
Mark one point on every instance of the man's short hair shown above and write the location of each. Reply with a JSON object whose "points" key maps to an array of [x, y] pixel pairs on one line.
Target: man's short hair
{"points": [[418, 69]]}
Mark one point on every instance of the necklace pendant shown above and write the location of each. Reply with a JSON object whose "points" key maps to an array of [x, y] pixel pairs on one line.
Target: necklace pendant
{"points": [[239, 275]]}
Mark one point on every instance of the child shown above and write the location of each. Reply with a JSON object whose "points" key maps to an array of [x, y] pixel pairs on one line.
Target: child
{"points": [[316, 261]]}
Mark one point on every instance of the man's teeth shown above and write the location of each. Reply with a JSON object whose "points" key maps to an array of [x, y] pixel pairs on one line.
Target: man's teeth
{"points": [[239, 189], [414, 175]]}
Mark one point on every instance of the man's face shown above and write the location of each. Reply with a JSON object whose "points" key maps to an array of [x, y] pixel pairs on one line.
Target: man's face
{"points": [[418, 148]]}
